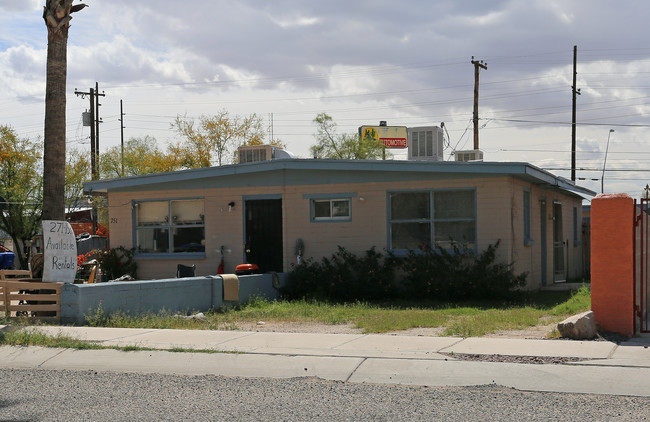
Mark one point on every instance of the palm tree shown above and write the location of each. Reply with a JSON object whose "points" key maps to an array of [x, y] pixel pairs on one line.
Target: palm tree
{"points": [[56, 14]]}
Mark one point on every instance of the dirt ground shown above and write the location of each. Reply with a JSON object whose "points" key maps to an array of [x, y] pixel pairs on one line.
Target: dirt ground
{"points": [[537, 332]]}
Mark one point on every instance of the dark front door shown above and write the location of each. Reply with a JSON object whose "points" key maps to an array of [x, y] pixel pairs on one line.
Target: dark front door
{"points": [[263, 237]]}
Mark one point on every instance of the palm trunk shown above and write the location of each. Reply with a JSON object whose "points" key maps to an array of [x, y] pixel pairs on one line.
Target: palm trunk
{"points": [[56, 14], [54, 146]]}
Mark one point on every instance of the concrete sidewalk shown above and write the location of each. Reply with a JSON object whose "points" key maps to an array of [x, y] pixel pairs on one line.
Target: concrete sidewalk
{"points": [[607, 368]]}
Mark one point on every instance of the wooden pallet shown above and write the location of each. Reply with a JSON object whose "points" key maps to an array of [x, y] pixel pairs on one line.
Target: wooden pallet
{"points": [[31, 298], [12, 274]]}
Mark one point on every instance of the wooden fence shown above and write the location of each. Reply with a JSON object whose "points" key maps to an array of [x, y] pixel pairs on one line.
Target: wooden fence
{"points": [[15, 274], [28, 297]]}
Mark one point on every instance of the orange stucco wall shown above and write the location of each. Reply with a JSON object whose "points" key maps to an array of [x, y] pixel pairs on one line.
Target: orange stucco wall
{"points": [[612, 265]]}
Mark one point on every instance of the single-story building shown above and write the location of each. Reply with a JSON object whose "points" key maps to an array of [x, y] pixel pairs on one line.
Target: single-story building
{"points": [[271, 213]]}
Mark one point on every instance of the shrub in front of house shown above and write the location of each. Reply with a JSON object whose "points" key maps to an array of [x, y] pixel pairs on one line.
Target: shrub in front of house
{"points": [[457, 274], [113, 262], [343, 277], [429, 274]]}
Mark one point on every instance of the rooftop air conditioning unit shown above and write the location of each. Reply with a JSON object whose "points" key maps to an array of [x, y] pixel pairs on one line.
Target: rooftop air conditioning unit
{"points": [[256, 153], [425, 143], [469, 155]]}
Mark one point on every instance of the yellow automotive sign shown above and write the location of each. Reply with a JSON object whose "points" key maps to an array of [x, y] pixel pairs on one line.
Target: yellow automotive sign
{"points": [[390, 136]]}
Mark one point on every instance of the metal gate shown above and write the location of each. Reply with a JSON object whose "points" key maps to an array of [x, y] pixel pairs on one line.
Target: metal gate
{"points": [[641, 266]]}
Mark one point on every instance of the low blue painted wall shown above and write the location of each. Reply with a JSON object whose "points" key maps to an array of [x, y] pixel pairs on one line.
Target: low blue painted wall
{"points": [[195, 294]]}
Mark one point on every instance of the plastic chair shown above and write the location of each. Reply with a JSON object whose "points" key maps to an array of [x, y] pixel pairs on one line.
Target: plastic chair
{"points": [[185, 270]]}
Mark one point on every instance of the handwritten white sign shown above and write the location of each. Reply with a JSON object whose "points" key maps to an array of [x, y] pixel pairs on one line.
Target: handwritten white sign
{"points": [[60, 252]]}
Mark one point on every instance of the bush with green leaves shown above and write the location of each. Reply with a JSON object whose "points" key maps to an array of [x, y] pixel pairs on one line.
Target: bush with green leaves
{"points": [[343, 277], [429, 274], [114, 262], [457, 274]]}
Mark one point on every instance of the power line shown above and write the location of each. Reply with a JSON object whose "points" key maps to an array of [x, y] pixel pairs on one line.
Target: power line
{"points": [[564, 151], [597, 169], [543, 122]]}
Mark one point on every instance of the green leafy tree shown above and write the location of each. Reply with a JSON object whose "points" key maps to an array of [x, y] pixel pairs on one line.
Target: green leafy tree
{"points": [[214, 138], [56, 15], [77, 171], [21, 188], [141, 156], [342, 146]]}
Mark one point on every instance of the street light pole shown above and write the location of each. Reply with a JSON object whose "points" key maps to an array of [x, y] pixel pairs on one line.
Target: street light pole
{"points": [[602, 179]]}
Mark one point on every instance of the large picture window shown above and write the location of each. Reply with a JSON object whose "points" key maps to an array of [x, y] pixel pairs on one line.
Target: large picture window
{"points": [[432, 218], [170, 226]]}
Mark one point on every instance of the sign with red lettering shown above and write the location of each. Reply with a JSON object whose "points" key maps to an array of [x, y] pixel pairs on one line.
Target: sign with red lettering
{"points": [[390, 136]]}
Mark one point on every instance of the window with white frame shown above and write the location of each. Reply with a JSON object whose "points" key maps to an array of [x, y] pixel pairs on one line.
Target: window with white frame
{"points": [[170, 226], [432, 218], [330, 209]]}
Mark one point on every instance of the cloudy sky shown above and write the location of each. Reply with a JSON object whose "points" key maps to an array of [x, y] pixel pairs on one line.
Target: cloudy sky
{"points": [[362, 61]]}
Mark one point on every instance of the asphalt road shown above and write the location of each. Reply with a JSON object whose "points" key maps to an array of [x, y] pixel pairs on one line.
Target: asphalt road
{"points": [[48, 395]]}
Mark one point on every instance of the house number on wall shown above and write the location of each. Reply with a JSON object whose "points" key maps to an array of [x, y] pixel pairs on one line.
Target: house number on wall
{"points": [[113, 220]]}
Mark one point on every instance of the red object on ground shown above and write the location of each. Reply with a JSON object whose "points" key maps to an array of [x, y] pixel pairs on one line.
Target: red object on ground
{"points": [[220, 269], [246, 269]]}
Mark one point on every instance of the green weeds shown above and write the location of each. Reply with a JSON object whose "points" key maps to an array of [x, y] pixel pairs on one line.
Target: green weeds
{"points": [[465, 318], [33, 337]]}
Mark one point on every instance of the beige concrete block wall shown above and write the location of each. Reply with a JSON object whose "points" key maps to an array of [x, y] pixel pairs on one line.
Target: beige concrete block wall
{"points": [[499, 217], [120, 224], [529, 257], [367, 227], [222, 227], [494, 215]]}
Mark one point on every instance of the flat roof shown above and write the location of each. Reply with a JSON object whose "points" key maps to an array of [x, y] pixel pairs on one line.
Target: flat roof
{"points": [[318, 171]]}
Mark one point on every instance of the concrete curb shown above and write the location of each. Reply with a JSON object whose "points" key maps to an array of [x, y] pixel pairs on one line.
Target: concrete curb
{"points": [[526, 377], [607, 368]]}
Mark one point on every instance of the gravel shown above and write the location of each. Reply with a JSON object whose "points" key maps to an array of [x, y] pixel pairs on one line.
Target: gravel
{"points": [[46, 395], [536, 332], [539, 360]]}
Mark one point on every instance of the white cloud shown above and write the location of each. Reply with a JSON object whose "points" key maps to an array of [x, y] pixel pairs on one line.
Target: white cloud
{"points": [[118, 61], [357, 61], [489, 19], [295, 21], [559, 9], [22, 71], [20, 5]]}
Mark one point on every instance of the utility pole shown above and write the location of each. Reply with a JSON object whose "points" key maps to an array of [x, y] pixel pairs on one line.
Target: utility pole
{"points": [[573, 115], [94, 128], [97, 122], [94, 139], [91, 95], [122, 135], [477, 65]]}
